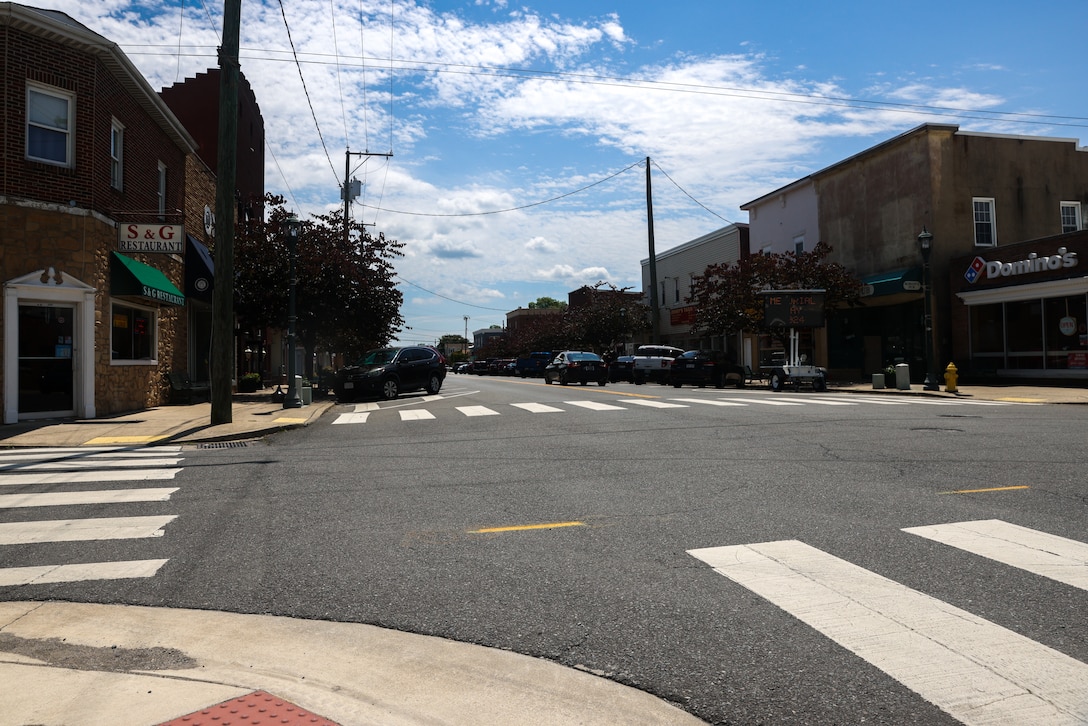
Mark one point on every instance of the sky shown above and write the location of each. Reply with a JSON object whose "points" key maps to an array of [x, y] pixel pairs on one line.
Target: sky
{"points": [[519, 131]]}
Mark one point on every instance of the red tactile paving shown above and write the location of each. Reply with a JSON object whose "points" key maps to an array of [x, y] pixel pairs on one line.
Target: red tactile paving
{"points": [[253, 709]]}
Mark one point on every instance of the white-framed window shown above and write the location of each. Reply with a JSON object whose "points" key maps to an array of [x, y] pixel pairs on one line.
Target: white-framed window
{"points": [[799, 244], [133, 333], [117, 151], [162, 191], [1070, 216], [985, 222], [50, 114]]}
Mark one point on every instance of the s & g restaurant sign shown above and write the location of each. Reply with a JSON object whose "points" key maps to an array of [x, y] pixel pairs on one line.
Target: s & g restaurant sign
{"points": [[169, 238], [994, 269]]}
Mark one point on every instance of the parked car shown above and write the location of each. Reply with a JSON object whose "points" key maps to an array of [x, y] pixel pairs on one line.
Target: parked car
{"points": [[622, 369], [652, 363], [533, 364], [706, 368], [388, 372], [573, 366]]}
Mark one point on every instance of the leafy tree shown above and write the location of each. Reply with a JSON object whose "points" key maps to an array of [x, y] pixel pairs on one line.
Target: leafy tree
{"points": [[609, 316], [728, 300], [547, 303], [346, 299]]}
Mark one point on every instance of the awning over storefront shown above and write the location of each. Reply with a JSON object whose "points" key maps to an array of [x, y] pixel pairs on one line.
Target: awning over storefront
{"points": [[199, 270], [892, 283], [135, 279]]}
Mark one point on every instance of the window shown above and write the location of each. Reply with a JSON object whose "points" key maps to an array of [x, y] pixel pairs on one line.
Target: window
{"points": [[49, 125], [133, 333], [162, 191], [117, 139], [985, 222], [1070, 216], [799, 244]]}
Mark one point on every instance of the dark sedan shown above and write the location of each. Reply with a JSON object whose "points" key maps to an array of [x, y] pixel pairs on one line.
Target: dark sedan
{"points": [[388, 372], [573, 366], [622, 369], [706, 368]]}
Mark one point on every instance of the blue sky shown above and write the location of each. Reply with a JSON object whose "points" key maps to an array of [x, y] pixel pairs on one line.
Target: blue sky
{"points": [[519, 130]]}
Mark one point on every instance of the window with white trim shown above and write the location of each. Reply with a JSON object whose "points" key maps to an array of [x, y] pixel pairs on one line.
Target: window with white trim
{"points": [[49, 123], [117, 150], [985, 222], [799, 244], [1070, 216], [133, 333]]}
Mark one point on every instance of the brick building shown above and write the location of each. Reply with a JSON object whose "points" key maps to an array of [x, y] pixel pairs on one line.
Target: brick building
{"points": [[92, 207]]}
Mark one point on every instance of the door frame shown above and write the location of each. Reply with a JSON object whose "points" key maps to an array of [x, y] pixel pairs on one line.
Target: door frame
{"points": [[46, 287]]}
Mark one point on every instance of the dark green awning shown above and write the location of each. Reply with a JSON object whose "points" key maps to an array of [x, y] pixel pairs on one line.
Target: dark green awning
{"points": [[890, 283], [135, 279]]}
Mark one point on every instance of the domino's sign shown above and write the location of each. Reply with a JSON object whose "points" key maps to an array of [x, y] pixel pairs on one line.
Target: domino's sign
{"points": [[1033, 263]]}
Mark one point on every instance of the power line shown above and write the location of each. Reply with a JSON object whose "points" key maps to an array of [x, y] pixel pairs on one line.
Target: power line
{"points": [[459, 302]]}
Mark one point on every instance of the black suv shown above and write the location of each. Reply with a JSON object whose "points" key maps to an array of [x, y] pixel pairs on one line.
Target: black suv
{"points": [[706, 368], [389, 372]]}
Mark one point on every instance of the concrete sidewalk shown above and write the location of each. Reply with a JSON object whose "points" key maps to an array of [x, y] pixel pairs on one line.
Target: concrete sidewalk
{"points": [[70, 663]]}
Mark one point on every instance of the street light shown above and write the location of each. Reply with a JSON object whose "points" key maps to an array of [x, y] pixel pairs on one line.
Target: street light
{"points": [[925, 242], [291, 400]]}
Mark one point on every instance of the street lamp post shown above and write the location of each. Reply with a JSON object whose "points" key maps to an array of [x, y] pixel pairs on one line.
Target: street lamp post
{"points": [[925, 242], [291, 400]]}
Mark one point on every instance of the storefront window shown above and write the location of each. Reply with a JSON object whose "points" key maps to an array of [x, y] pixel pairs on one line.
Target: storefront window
{"points": [[988, 330], [1066, 332], [1024, 327], [133, 333]]}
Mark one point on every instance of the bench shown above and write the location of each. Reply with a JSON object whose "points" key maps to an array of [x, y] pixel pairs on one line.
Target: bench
{"points": [[750, 375], [184, 390]]}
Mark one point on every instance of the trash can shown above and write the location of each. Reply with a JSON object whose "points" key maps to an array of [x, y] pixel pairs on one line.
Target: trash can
{"points": [[878, 381], [902, 376]]}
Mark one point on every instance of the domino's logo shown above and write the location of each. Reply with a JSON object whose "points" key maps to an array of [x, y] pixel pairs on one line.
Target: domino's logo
{"points": [[975, 270]]}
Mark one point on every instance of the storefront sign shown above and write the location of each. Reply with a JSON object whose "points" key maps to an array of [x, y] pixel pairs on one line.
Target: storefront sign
{"points": [[1068, 325], [1034, 263], [169, 238], [682, 316]]}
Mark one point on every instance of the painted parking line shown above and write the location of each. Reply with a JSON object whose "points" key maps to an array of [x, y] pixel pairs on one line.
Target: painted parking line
{"points": [[416, 415], [105, 496], [1048, 555], [652, 404], [80, 530], [537, 408], [473, 411], [978, 672], [48, 574], [595, 405]]}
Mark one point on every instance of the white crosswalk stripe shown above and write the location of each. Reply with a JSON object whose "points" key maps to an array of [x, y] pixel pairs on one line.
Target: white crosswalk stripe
{"points": [[25, 468], [364, 412], [1058, 558], [979, 672], [537, 408]]}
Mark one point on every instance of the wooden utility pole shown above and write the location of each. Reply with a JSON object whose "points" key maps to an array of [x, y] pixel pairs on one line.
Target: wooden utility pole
{"points": [[348, 186], [655, 306], [222, 353]]}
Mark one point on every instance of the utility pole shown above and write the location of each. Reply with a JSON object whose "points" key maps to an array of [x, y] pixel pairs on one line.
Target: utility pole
{"points": [[352, 187], [655, 306], [222, 353]]}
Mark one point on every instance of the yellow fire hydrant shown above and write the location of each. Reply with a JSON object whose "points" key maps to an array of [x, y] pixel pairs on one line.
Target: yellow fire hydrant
{"points": [[950, 376]]}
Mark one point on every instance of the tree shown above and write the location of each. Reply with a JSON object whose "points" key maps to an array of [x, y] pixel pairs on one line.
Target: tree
{"points": [[346, 301], [728, 300], [547, 303], [609, 316]]}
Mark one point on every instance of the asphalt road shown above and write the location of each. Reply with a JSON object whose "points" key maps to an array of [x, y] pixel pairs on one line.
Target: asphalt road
{"points": [[568, 534]]}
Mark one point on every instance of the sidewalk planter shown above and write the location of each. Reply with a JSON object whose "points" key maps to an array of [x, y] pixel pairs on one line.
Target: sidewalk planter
{"points": [[249, 383]]}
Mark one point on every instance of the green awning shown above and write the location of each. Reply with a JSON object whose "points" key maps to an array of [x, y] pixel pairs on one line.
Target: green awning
{"points": [[890, 283], [135, 279]]}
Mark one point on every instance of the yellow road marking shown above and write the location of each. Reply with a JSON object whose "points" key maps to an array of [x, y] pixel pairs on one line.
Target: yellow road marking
{"points": [[122, 440], [523, 527], [992, 489], [289, 420]]}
